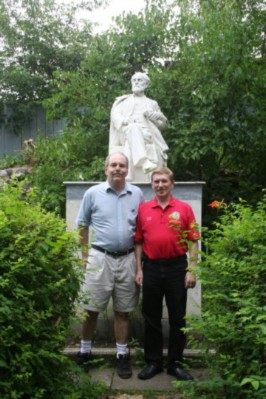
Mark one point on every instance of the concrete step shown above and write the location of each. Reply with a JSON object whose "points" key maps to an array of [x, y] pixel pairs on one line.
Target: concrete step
{"points": [[102, 351]]}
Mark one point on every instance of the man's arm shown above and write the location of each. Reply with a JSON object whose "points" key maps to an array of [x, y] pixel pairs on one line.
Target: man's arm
{"points": [[190, 278], [138, 254], [84, 240]]}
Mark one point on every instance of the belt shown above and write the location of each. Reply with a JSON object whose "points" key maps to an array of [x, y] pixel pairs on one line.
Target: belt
{"points": [[115, 254], [169, 261]]}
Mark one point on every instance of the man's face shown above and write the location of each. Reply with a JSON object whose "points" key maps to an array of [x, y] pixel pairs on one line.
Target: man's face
{"points": [[117, 169], [138, 83], [162, 185]]}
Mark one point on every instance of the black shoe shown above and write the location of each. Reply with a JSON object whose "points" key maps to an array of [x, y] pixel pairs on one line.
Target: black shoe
{"points": [[149, 371], [123, 365], [83, 360], [180, 373]]}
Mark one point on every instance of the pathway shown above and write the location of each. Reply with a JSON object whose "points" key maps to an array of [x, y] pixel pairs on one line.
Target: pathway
{"points": [[161, 383]]}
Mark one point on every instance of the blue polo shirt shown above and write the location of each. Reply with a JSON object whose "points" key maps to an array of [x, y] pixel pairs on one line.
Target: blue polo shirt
{"points": [[111, 216]]}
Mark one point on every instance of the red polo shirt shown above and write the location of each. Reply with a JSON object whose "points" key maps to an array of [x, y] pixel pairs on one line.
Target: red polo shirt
{"points": [[164, 232]]}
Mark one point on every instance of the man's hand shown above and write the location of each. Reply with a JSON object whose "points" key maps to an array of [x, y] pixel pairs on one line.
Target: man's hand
{"points": [[190, 280], [139, 277]]}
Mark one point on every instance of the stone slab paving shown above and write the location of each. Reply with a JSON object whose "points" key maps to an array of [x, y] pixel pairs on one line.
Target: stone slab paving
{"points": [[161, 382], [126, 396]]}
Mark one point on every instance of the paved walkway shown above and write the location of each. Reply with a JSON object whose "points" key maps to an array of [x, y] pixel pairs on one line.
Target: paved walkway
{"points": [[161, 382]]}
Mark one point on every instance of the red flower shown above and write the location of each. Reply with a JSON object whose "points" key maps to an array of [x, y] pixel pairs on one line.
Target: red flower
{"points": [[218, 204], [214, 204]]}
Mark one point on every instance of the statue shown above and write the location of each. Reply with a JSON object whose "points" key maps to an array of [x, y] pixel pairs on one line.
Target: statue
{"points": [[135, 129]]}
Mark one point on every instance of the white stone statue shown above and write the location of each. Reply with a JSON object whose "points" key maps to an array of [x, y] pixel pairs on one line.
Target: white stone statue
{"points": [[135, 129]]}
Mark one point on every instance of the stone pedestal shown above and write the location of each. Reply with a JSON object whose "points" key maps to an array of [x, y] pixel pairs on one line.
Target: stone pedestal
{"points": [[190, 192]]}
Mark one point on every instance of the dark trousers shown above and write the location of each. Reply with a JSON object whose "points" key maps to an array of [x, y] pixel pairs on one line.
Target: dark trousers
{"points": [[164, 279]]}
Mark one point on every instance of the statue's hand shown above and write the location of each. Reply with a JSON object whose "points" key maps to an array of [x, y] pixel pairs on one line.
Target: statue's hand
{"points": [[125, 121], [152, 115], [157, 118], [147, 136]]}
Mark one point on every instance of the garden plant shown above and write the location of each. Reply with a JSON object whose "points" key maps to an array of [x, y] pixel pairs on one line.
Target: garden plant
{"points": [[232, 326], [39, 287]]}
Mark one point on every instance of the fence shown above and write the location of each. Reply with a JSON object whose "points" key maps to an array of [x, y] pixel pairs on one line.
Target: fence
{"points": [[11, 142]]}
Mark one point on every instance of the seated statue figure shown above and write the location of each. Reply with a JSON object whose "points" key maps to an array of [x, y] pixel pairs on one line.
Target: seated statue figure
{"points": [[135, 129]]}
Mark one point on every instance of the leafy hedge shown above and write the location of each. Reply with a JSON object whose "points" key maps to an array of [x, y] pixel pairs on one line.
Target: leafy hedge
{"points": [[67, 156], [39, 284], [233, 320]]}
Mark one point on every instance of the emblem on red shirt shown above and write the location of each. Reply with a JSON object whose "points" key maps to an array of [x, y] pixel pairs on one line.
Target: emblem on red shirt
{"points": [[174, 215]]}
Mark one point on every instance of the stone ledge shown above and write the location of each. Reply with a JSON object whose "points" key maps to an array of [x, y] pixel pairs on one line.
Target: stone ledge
{"points": [[18, 172], [72, 350]]}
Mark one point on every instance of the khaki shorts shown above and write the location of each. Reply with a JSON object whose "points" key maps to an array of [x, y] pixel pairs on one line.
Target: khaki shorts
{"points": [[108, 277]]}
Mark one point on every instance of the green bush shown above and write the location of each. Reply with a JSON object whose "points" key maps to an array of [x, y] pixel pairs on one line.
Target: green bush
{"points": [[8, 161], [67, 156], [233, 319], [39, 285]]}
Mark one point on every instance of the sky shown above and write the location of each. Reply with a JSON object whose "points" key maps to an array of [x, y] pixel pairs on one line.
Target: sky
{"points": [[116, 7], [103, 17]]}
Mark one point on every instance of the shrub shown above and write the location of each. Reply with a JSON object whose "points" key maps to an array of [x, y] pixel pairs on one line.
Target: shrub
{"points": [[8, 161], [39, 285], [233, 319], [67, 156]]}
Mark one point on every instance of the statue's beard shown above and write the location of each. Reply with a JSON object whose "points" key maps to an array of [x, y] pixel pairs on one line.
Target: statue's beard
{"points": [[137, 89]]}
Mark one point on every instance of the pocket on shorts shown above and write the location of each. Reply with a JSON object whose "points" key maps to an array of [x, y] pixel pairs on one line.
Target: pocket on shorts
{"points": [[96, 262]]}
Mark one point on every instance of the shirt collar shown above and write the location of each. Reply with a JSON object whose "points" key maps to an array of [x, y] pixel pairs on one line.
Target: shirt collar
{"points": [[127, 188], [155, 202]]}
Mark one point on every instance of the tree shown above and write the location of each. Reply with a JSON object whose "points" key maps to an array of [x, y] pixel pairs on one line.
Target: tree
{"points": [[206, 60], [85, 97], [37, 39], [218, 106]]}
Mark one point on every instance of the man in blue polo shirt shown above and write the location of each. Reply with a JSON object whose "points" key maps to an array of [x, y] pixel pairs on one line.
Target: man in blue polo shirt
{"points": [[110, 210]]}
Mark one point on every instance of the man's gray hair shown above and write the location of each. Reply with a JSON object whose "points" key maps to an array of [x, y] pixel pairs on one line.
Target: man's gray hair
{"points": [[107, 159]]}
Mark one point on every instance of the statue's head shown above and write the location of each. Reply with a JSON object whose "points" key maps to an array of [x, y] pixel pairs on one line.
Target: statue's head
{"points": [[139, 81]]}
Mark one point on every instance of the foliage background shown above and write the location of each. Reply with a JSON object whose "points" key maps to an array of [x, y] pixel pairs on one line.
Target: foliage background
{"points": [[39, 287], [206, 60], [233, 318]]}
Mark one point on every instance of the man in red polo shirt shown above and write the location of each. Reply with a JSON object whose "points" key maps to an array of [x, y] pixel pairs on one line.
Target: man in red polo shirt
{"points": [[166, 231]]}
